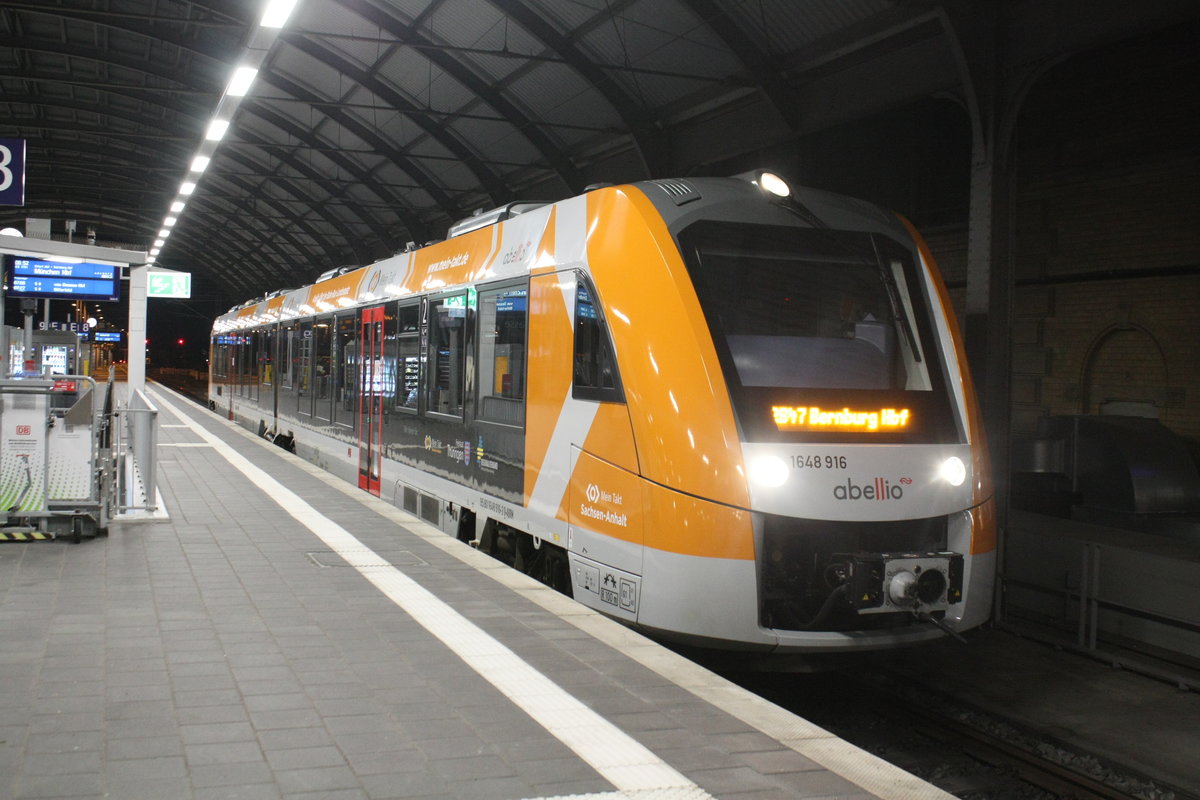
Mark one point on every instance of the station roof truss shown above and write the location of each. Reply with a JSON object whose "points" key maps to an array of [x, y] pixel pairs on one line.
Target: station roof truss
{"points": [[376, 123]]}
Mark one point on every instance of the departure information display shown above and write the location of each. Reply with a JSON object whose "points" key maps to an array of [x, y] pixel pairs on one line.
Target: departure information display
{"points": [[32, 277]]}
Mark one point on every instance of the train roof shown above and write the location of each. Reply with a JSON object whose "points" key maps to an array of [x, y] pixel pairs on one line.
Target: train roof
{"points": [[503, 242]]}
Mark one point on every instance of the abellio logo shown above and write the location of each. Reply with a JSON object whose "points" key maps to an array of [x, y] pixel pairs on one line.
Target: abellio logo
{"points": [[880, 489]]}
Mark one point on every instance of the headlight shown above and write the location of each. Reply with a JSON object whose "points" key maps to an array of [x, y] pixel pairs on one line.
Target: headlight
{"points": [[769, 471], [774, 184], [953, 471]]}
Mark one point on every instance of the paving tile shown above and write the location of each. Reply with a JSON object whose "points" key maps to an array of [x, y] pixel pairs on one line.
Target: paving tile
{"points": [[217, 732], [199, 715], [372, 741], [146, 769], [60, 786], [148, 789], [75, 741], [304, 757], [259, 791], [118, 749], [48, 764], [319, 779], [222, 753], [289, 738], [387, 761], [338, 794], [287, 718], [407, 785], [231, 774]]}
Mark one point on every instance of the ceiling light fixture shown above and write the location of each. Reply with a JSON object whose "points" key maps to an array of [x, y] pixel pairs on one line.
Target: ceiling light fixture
{"points": [[216, 130], [239, 84], [277, 13], [241, 79]]}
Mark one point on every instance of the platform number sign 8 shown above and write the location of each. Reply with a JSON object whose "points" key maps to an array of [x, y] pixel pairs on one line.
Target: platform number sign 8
{"points": [[12, 172]]}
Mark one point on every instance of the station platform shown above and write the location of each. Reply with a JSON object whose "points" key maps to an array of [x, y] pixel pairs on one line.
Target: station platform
{"points": [[285, 635]]}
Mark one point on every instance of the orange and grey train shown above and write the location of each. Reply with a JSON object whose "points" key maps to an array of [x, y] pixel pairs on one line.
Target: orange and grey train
{"points": [[726, 411]]}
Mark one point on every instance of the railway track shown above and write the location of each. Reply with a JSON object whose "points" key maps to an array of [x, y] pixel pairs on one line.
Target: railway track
{"points": [[947, 742], [1037, 764]]}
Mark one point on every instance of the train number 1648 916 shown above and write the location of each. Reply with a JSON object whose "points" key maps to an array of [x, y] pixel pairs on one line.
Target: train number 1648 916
{"points": [[818, 462]]}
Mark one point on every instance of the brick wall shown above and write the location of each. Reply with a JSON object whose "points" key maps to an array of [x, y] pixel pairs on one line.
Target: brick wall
{"points": [[1107, 253]]}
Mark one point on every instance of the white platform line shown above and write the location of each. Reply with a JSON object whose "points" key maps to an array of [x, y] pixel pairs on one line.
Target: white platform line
{"points": [[622, 760]]}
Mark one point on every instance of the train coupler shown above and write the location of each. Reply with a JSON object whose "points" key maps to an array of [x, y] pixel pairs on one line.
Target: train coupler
{"points": [[919, 583]]}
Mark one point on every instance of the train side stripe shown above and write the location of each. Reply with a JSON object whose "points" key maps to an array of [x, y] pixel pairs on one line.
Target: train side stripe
{"points": [[621, 759]]}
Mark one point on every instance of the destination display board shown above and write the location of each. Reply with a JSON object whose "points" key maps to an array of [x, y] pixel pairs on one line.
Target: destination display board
{"points": [[50, 280]]}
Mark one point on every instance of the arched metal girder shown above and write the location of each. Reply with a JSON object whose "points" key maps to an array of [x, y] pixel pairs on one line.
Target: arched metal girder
{"points": [[558, 160], [246, 203], [300, 195], [416, 228], [488, 180], [230, 281], [136, 175], [758, 62], [236, 245], [650, 140], [364, 132]]}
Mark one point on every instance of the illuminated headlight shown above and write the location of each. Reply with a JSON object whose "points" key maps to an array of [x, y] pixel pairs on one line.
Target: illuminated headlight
{"points": [[953, 471], [774, 184], [769, 471]]}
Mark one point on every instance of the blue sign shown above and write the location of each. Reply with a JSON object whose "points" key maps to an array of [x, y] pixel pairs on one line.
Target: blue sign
{"points": [[12, 172], [33, 277], [107, 336]]}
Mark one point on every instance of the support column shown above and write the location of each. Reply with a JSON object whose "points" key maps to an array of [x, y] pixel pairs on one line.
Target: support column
{"points": [[992, 90], [989, 306], [137, 329]]}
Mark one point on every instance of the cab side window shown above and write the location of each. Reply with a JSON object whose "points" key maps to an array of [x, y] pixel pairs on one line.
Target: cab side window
{"points": [[596, 375]]}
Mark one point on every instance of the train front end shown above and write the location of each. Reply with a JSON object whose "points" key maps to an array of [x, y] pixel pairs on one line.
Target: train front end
{"points": [[858, 513]]}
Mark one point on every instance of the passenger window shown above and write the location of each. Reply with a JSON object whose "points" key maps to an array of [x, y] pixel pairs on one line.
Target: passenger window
{"points": [[303, 370], [266, 354], [322, 378], [283, 371], [596, 375], [345, 366], [447, 354], [408, 349], [220, 357], [503, 315]]}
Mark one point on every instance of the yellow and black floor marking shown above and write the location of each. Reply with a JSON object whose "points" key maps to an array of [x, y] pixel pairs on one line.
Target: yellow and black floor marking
{"points": [[25, 536]]}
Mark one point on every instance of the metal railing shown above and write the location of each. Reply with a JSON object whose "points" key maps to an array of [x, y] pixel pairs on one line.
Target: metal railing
{"points": [[136, 444]]}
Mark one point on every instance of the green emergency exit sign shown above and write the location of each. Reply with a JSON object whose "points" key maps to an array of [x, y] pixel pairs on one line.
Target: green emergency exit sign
{"points": [[169, 284]]}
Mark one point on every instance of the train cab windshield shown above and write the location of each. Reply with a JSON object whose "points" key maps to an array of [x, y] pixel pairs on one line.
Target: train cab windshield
{"points": [[823, 335]]}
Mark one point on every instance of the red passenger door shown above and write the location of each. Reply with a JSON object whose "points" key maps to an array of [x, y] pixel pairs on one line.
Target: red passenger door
{"points": [[370, 398]]}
